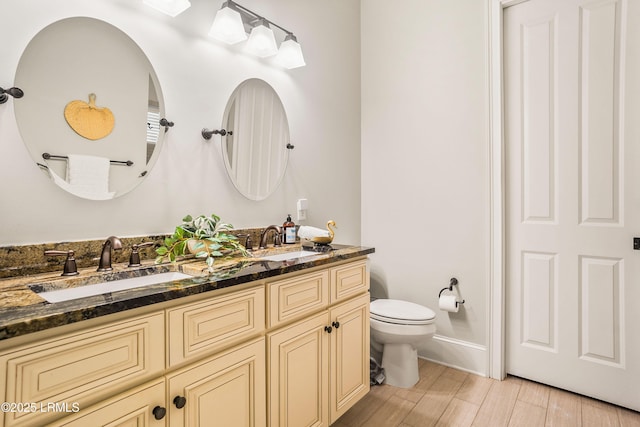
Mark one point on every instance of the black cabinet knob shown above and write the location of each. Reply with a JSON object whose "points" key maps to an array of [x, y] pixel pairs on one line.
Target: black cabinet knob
{"points": [[328, 329], [179, 401], [336, 324], [159, 412]]}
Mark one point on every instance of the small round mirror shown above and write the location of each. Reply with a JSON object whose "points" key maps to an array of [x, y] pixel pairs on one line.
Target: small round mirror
{"points": [[91, 112], [256, 146]]}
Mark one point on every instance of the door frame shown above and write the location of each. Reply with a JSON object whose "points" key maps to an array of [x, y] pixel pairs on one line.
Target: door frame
{"points": [[496, 300]]}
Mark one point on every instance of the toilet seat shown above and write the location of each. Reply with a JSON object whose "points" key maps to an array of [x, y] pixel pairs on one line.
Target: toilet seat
{"points": [[401, 312]]}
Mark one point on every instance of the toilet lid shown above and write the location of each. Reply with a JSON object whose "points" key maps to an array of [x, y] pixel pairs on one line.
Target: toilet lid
{"points": [[397, 311]]}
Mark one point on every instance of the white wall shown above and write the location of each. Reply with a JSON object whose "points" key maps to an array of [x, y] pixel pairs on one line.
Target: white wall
{"points": [[422, 134], [425, 188], [197, 76]]}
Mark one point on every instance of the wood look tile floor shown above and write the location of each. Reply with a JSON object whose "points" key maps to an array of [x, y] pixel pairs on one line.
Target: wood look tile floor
{"points": [[449, 397]]}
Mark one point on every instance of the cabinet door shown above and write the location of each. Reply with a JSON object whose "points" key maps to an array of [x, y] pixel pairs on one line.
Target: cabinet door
{"points": [[134, 408], [225, 390], [349, 380], [298, 363]]}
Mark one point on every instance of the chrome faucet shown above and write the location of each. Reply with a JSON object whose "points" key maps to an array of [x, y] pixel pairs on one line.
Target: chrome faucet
{"points": [[265, 233], [105, 256]]}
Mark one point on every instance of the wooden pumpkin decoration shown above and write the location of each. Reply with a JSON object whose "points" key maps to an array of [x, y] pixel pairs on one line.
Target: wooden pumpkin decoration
{"points": [[88, 120]]}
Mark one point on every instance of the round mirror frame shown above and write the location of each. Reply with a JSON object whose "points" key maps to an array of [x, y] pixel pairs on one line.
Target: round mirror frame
{"points": [[256, 146], [55, 71]]}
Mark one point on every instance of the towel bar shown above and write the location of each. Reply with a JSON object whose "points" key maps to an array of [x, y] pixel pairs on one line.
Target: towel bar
{"points": [[48, 156]]}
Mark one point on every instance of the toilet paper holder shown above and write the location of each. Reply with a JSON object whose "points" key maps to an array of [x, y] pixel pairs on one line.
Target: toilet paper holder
{"points": [[453, 282]]}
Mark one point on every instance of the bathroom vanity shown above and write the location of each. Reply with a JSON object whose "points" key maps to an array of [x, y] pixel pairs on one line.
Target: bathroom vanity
{"points": [[258, 342]]}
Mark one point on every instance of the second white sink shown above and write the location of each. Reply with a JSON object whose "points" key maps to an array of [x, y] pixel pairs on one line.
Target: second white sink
{"points": [[67, 294], [288, 255]]}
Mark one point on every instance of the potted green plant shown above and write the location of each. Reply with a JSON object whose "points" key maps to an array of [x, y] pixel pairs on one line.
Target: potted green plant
{"points": [[204, 236]]}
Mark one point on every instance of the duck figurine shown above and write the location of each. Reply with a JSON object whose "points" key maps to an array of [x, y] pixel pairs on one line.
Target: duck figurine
{"points": [[325, 240]]}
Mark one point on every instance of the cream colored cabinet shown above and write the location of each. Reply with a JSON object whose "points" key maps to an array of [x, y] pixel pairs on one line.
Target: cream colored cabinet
{"points": [[79, 369], [99, 366], [349, 280], [143, 406], [298, 373], [303, 340], [225, 390], [204, 327], [349, 357], [295, 297], [318, 367]]}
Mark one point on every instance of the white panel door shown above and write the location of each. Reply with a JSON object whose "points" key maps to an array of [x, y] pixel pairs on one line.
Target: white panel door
{"points": [[572, 131]]}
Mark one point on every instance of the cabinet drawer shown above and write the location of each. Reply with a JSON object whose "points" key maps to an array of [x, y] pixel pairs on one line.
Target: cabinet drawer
{"points": [[349, 280], [208, 326], [133, 408], [82, 367], [293, 298]]}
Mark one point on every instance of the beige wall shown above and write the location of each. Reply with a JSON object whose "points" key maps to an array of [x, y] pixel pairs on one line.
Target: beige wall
{"points": [[197, 76], [425, 188]]}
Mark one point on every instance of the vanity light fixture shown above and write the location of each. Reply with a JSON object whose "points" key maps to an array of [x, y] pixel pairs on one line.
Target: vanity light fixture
{"points": [[172, 8], [290, 53], [233, 21], [13, 91], [227, 25], [262, 41]]}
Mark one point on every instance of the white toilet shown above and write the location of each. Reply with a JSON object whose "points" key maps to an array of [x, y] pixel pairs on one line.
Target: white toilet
{"points": [[396, 328]]}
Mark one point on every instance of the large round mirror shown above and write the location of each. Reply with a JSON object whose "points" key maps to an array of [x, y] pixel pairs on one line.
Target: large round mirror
{"points": [[91, 110], [256, 146]]}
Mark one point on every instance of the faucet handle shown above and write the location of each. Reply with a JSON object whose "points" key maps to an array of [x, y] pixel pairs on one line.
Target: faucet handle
{"points": [[134, 258], [248, 242], [70, 267], [277, 240]]}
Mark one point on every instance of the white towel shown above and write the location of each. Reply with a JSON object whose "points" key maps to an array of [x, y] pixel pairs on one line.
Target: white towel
{"points": [[88, 176], [59, 181], [307, 232]]}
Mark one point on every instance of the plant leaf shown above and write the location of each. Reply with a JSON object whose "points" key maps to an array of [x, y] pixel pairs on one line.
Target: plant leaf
{"points": [[214, 246], [180, 248]]}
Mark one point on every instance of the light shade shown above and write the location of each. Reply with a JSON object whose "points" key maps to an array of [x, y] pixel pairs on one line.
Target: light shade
{"points": [[290, 53], [262, 42], [227, 26], [172, 8]]}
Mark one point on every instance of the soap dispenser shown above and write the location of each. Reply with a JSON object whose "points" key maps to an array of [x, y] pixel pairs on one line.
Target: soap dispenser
{"points": [[289, 231]]}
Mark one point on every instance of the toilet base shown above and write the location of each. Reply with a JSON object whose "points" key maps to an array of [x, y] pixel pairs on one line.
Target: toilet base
{"points": [[400, 363]]}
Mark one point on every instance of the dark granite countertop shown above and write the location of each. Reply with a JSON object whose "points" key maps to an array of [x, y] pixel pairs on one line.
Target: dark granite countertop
{"points": [[23, 311]]}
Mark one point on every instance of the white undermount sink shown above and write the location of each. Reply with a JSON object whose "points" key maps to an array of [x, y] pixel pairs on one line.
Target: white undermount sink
{"points": [[284, 256], [67, 294]]}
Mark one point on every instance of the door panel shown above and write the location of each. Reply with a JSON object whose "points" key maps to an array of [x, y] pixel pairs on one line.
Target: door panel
{"points": [[572, 205]]}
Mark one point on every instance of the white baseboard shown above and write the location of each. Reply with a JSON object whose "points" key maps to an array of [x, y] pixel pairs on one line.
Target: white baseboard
{"points": [[463, 355]]}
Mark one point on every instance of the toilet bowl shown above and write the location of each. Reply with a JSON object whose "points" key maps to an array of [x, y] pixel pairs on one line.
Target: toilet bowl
{"points": [[397, 327]]}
